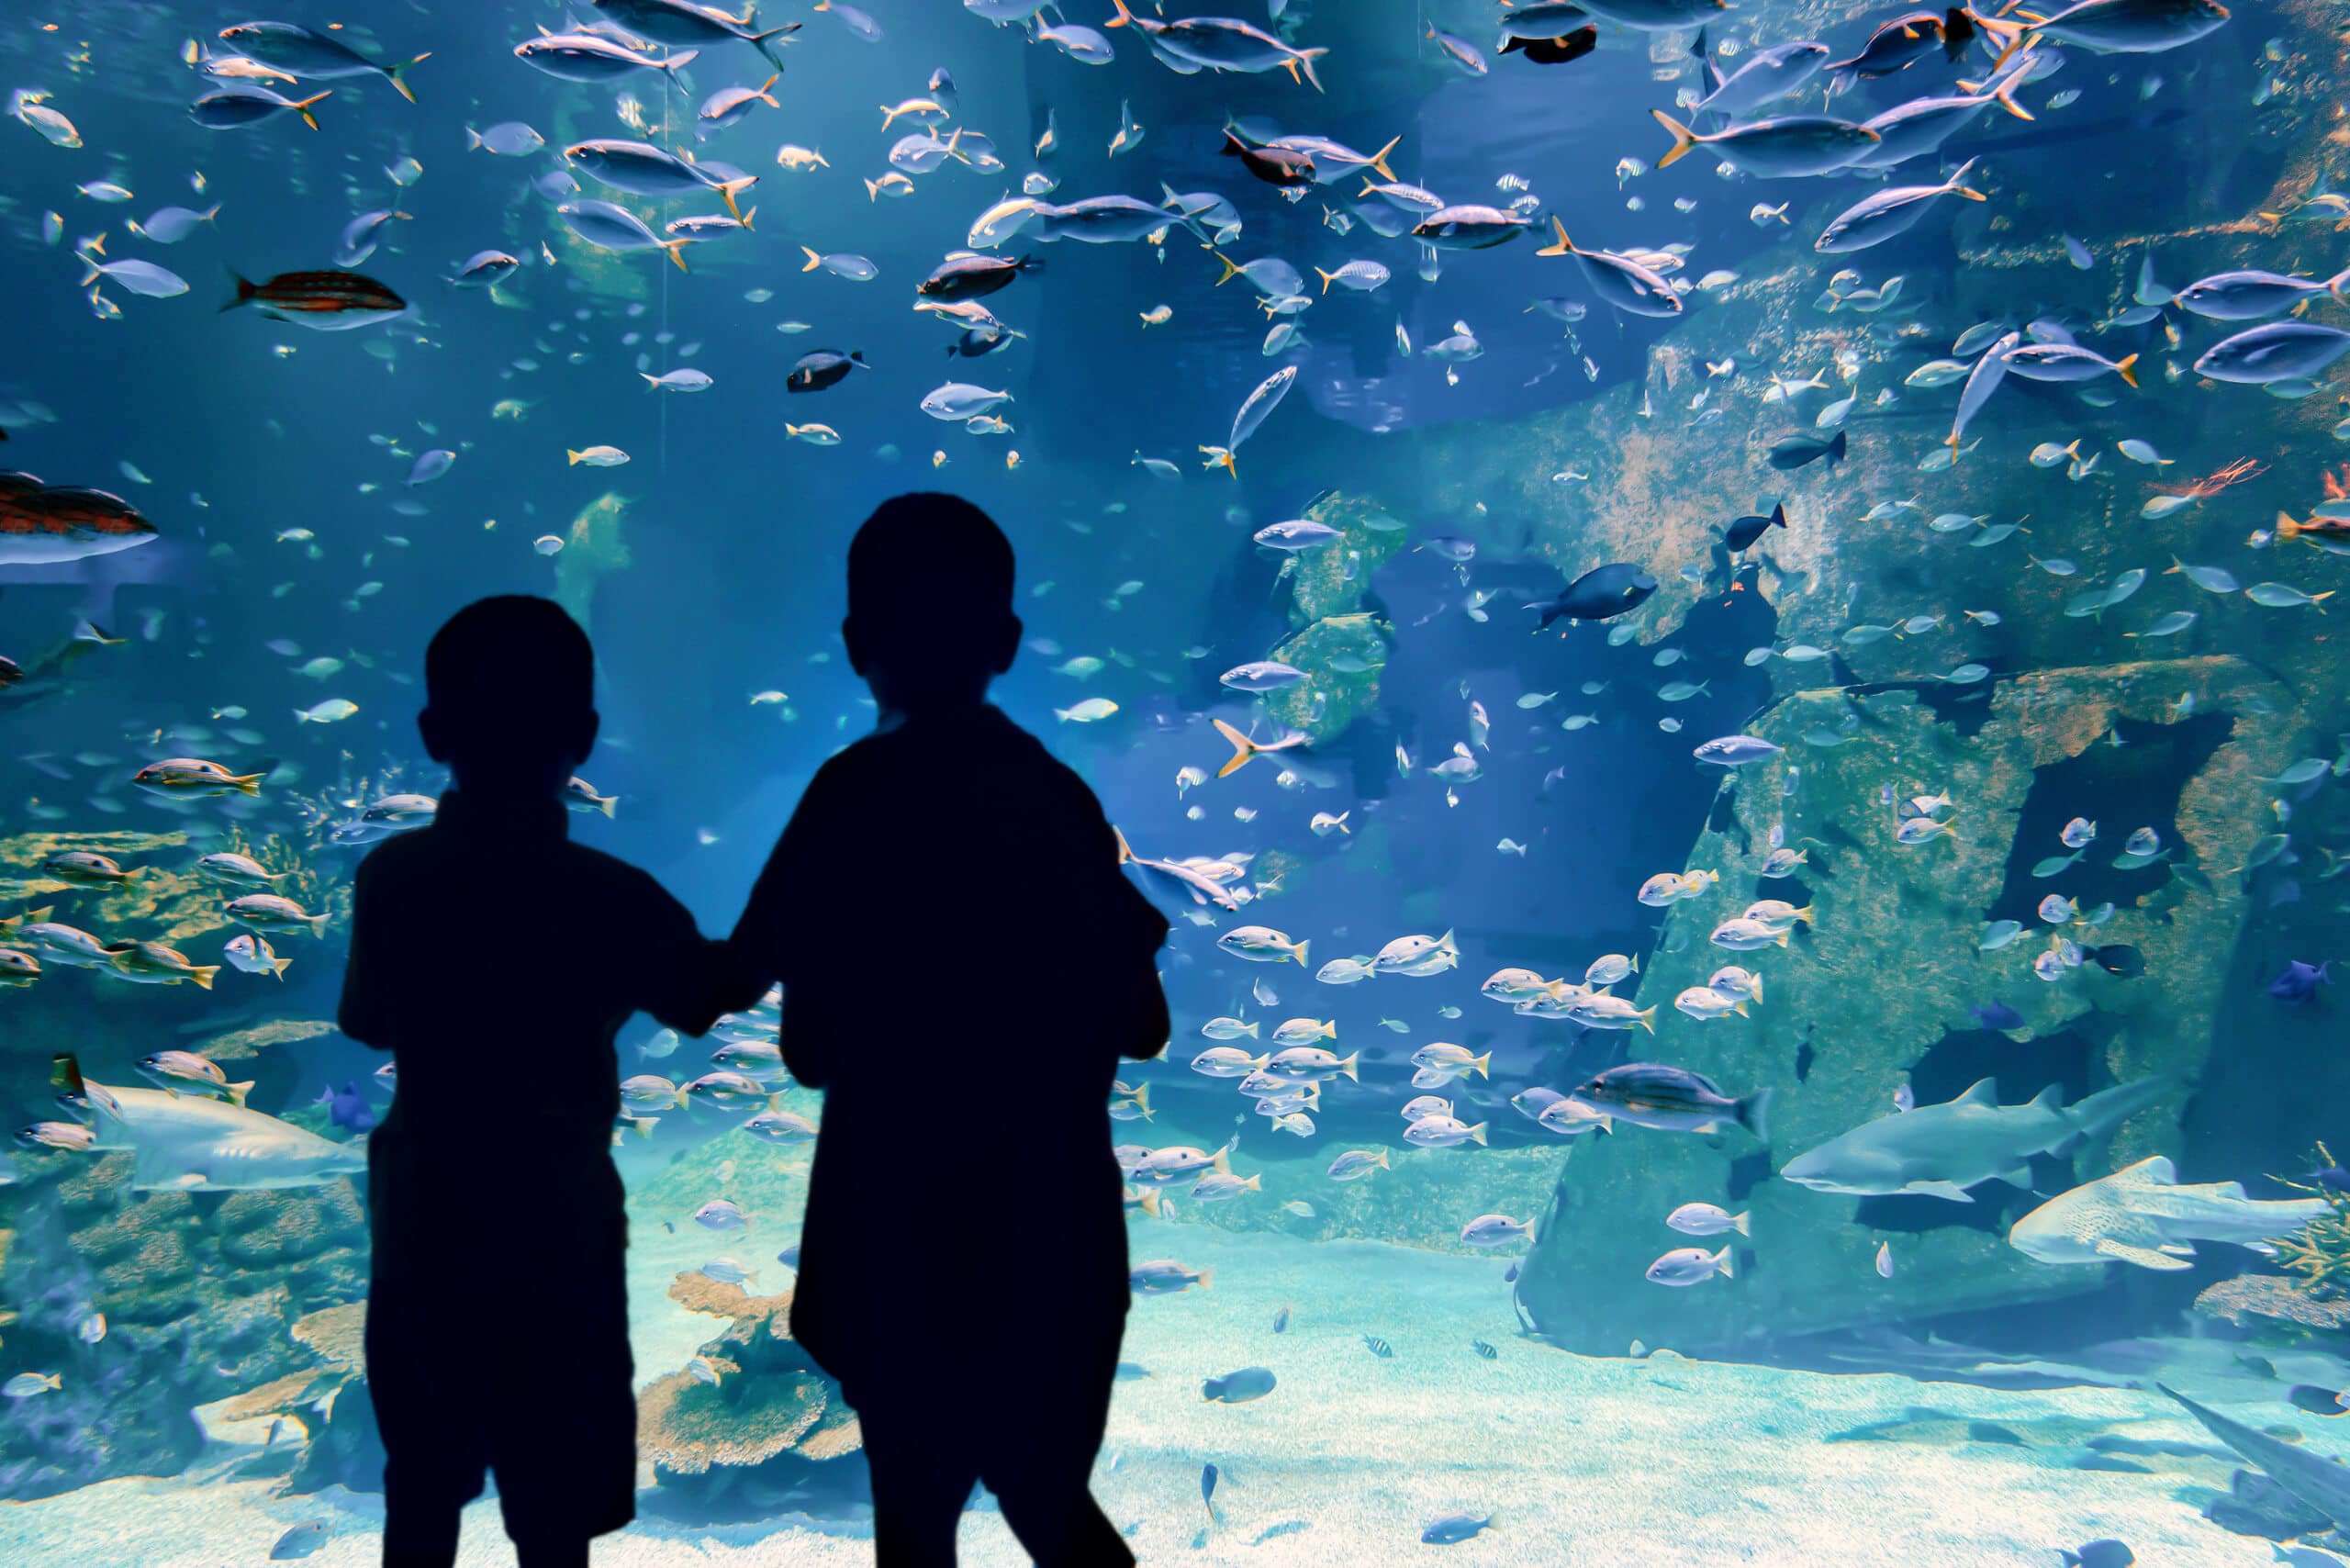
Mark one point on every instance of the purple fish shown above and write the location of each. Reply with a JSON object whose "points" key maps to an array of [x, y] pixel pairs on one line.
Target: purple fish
{"points": [[2299, 982], [346, 1107], [1996, 1015]]}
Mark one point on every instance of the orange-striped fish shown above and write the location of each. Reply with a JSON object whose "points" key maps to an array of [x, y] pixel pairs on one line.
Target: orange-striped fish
{"points": [[49, 524], [322, 301]]}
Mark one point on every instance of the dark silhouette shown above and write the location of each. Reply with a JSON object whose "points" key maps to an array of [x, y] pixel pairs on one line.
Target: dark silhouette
{"points": [[963, 966], [495, 959]]}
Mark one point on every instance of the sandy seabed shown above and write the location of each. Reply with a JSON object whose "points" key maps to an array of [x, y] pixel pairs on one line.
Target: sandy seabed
{"points": [[1580, 1460]]}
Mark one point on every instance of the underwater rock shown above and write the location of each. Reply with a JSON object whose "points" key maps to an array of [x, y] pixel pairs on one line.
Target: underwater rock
{"points": [[1836, 1063], [594, 544], [238, 1044]]}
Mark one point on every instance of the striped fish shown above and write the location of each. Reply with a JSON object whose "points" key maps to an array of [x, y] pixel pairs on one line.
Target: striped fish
{"points": [[323, 301], [1377, 1347]]}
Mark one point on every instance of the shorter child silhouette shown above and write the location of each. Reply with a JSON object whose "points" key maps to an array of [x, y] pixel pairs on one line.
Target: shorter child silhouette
{"points": [[964, 966], [495, 959]]}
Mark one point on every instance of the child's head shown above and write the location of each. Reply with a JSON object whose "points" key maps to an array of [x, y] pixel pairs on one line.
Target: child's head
{"points": [[510, 695], [930, 619]]}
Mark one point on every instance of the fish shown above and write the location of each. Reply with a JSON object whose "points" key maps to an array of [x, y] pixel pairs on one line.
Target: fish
{"points": [[194, 1143], [1878, 218], [304, 52], [1790, 452], [322, 301], [2140, 1214], [1626, 285], [1786, 148], [1943, 1151]]}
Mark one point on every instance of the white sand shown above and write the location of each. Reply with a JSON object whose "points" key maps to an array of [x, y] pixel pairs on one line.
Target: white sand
{"points": [[1581, 1462]]}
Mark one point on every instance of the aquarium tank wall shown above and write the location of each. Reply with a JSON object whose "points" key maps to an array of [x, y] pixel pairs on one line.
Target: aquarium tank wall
{"points": [[1712, 625]]}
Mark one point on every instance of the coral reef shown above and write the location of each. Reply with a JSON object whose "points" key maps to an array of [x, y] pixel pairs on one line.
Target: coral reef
{"points": [[768, 1415], [199, 1294]]}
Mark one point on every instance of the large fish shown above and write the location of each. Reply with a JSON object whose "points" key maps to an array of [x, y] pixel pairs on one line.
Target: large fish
{"points": [[47, 525], [2324, 1484], [192, 1143], [1219, 43], [1941, 1150], [2140, 1214]]}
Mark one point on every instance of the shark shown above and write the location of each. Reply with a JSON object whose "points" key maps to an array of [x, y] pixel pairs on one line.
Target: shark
{"points": [[1941, 1150], [2140, 1214], [192, 1143], [2322, 1484]]}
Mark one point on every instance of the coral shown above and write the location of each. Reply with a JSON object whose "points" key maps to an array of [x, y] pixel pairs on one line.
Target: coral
{"points": [[240, 1044], [167, 905], [2319, 1256], [770, 1407], [2256, 1300]]}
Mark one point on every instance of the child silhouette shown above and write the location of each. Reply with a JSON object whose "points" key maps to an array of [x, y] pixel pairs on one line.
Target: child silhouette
{"points": [[963, 965], [495, 959]]}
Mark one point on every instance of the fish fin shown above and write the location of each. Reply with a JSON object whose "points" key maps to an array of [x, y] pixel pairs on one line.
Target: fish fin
{"points": [[302, 105], [1325, 279], [1477, 1133], [1298, 953], [1982, 1092], [1348, 1066], [202, 975], [1230, 272], [1565, 247], [1739, 1224], [281, 966], [814, 261], [677, 249], [236, 1092], [2146, 1258], [1722, 1265], [1123, 18], [1379, 160], [1481, 1064], [1754, 1113], [1950, 1190], [392, 75], [2019, 1176], [2122, 368], [2005, 93], [1684, 139]]}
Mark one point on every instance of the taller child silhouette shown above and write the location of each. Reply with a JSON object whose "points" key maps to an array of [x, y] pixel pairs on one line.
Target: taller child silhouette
{"points": [[963, 967], [494, 960]]}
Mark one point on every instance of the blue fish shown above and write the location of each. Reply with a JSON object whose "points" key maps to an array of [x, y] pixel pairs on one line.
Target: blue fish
{"points": [[347, 1108], [1996, 1015], [2299, 982]]}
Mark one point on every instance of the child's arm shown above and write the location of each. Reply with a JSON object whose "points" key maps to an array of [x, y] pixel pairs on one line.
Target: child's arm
{"points": [[691, 979], [781, 935]]}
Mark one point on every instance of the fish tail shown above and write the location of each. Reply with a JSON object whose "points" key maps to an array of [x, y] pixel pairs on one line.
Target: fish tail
{"points": [[1565, 247], [767, 87], [1481, 1064], [1123, 18], [281, 966], [677, 249], [1645, 1016], [236, 1092], [1348, 1066], [2334, 285], [872, 191], [748, 215], [1230, 272], [1151, 1202], [1739, 1224], [1477, 1133], [1325, 279], [2124, 369], [814, 261], [609, 805], [472, 140], [1379, 160], [1684, 139], [1778, 520], [317, 924], [97, 272], [1298, 952], [392, 75], [680, 59], [1125, 851], [1722, 1263], [2006, 92], [1303, 61], [1956, 186], [1836, 447], [1205, 1274], [1753, 1114], [302, 105]]}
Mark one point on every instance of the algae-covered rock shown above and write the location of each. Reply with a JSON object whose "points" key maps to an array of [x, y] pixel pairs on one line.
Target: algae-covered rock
{"points": [[240, 1044], [1342, 646], [1876, 989], [596, 544]]}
